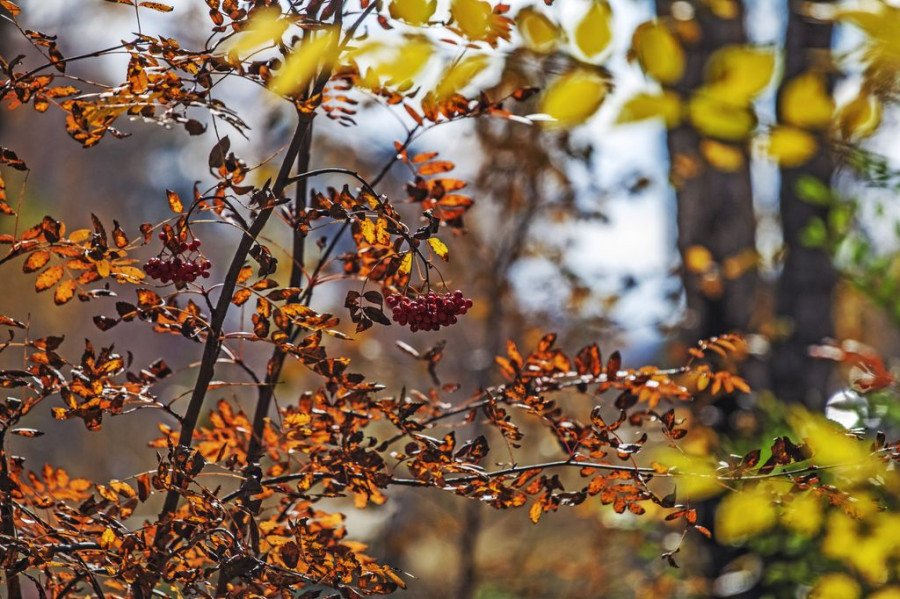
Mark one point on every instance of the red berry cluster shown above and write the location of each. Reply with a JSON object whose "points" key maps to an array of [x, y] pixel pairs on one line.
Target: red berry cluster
{"points": [[180, 268], [428, 312]]}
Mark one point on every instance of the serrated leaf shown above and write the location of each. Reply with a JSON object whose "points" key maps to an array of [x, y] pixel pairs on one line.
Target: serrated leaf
{"points": [[157, 6], [405, 264], [49, 278], [439, 248], [175, 203], [64, 292], [36, 261]]}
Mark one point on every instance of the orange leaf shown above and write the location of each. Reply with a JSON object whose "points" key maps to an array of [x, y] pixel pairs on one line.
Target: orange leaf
{"points": [[48, 278], [64, 292], [36, 261], [175, 203], [159, 6], [438, 166]]}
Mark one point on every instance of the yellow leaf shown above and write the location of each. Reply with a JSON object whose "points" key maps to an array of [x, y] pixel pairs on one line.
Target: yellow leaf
{"points": [[175, 203], [835, 585], [36, 261], [594, 32], [881, 23], [666, 106], [128, 274], [658, 52], [406, 62], [791, 147], [266, 27], [460, 74], [740, 72], [696, 473], [367, 228], [80, 235], [48, 278], [722, 156], [535, 512], [303, 63], [405, 264], [806, 102], [574, 97], [802, 514], [892, 592], [108, 539], [832, 448], [724, 9], [102, 267], [716, 118], [473, 17], [538, 31], [64, 292], [439, 248], [860, 117], [744, 514], [698, 259], [414, 12]]}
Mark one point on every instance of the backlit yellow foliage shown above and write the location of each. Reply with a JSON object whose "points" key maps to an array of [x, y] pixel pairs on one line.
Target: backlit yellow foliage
{"points": [[395, 66], [724, 157], [574, 97], [739, 73], [460, 75], [791, 147], [860, 117], [835, 585], [695, 474], [304, 63], [414, 12], [868, 545], [744, 514], [594, 31], [717, 117], [658, 52], [802, 513], [538, 32], [473, 17], [832, 448], [806, 102], [266, 27], [665, 106]]}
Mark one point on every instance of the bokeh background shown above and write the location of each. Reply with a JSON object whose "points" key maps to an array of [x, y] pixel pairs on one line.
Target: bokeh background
{"points": [[622, 233]]}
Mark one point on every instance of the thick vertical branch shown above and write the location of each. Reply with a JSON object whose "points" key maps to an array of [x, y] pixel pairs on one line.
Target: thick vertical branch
{"points": [[7, 522], [276, 362], [213, 337], [805, 288]]}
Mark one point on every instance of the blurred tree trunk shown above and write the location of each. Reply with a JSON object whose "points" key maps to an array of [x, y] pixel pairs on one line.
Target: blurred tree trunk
{"points": [[804, 290], [715, 211], [715, 208]]}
